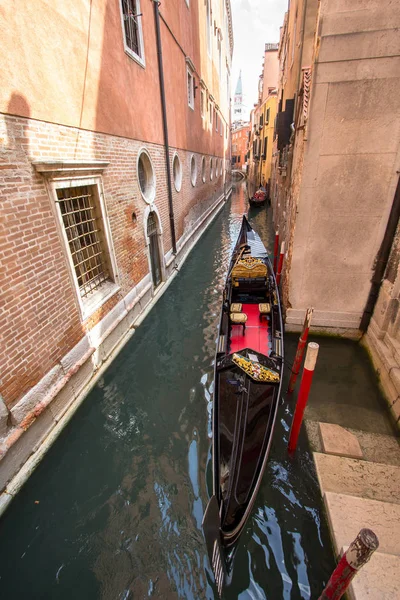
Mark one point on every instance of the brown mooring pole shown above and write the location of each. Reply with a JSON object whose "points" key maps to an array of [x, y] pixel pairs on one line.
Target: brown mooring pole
{"points": [[300, 350], [276, 246], [305, 385], [358, 553], [279, 273]]}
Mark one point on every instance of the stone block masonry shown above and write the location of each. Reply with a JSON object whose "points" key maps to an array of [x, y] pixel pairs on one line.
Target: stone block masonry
{"points": [[50, 353]]}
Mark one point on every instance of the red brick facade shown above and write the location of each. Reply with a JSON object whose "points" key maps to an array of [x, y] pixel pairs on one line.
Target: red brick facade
{"points": [[99, 130]]}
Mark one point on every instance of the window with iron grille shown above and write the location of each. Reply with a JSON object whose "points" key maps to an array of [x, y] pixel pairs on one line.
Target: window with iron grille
{"points": [[131, 18], [84, 232]]}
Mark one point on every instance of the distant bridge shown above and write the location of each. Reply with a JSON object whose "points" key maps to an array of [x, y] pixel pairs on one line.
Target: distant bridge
{"points": [[238, 175]]}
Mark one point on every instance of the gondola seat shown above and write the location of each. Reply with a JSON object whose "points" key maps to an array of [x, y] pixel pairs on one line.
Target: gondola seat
{"points": [[236, 307], [264, 308], [238, 319]]}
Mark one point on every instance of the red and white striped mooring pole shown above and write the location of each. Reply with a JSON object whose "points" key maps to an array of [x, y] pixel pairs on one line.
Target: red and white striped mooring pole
{"points": [[280, 263], [358, 553], [276, 246], [300, 350], [305, 385]]}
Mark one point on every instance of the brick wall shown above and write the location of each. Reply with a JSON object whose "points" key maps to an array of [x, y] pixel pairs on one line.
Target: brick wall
{"points": [[40, 319]]}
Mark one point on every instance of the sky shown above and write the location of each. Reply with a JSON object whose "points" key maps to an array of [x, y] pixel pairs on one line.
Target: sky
{"points": [[255, 22]]}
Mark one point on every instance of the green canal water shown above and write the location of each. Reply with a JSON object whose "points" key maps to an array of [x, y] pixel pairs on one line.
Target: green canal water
{"points": [[114, 510]]}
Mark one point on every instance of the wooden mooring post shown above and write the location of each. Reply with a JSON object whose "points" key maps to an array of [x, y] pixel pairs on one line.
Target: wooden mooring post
{"points": [[358, 553], [300, 350], [305, 385]]}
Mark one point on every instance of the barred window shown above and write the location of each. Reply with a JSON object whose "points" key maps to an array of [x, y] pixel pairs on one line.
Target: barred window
{"points": [[131, 18], [84, 232]]}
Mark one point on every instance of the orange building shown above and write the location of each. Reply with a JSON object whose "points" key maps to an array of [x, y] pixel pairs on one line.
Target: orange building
{"points": [[115, 157], [240, 138]]}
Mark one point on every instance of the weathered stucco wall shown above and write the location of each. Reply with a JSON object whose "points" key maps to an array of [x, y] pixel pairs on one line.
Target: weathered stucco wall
{"points": [[349, 173]]}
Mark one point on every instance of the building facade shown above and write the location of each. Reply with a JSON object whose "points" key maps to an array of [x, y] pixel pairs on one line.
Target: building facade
{"points": [[261, 138], [336, 172], [115, 157], [240, 138]]}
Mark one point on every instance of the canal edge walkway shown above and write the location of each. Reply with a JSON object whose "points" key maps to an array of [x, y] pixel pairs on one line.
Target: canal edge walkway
{"points": [[359, 478], [23, 452]]}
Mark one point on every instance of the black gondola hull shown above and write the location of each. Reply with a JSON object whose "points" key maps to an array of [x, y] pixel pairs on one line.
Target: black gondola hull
{"points": [[248, 369]]}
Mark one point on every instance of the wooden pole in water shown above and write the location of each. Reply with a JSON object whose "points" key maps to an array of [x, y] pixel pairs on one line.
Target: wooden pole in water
{"points": [[358, 553], [279, 273], [305, 385], [276, 246], [300, 350]]}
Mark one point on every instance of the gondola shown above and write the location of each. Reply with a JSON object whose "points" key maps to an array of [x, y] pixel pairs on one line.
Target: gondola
{"points": [[247, 387], [259, 198]]}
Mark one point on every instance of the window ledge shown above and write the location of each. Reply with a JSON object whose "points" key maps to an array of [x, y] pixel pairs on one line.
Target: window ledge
{"points": [[140, 61], [70, 168], [90, 304]]}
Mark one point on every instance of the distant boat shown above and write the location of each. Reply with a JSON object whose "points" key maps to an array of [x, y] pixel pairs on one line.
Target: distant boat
{"points": [[259, 197], [248, 379]]}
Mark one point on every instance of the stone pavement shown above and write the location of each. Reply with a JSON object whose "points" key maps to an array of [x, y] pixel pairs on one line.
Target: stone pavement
{"points": [[359, 477]]}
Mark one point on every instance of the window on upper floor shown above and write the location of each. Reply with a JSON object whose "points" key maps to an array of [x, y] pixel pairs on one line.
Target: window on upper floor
{"points": [[216, 121], [202, 101], [132, 28], [211, 112], [190, 88], [209, 28]]}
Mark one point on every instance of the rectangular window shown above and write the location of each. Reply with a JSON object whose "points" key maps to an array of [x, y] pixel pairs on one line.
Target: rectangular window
{"points": [[83, 229], [132, 27], [267, 116], [190, 89], [202, 103], [216, 121], [219, 59], [265, 148], [211, 113], [209, 26]]}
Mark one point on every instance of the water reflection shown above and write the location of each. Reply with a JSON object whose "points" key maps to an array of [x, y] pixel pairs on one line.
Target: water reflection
{"points": [[122, 492]]}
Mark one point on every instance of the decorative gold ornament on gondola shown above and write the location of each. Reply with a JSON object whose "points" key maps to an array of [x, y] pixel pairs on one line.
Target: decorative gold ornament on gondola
{"points": [[254, 370]]}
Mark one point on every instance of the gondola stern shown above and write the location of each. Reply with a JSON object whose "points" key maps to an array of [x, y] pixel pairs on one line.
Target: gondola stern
{"points": [[212, 533]]}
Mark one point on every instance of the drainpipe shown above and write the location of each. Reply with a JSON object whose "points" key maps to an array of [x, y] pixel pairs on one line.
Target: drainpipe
{"points": [[165, 125], [382, 260]]}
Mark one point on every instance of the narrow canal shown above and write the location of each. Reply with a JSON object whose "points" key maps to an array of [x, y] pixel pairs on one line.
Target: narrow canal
{"points": [[114, 510]]}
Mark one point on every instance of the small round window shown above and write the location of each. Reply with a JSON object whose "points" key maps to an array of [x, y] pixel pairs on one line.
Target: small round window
{"points": [[147, 180], [203, 169], [211, 168], [177, 172], [193, 173]]}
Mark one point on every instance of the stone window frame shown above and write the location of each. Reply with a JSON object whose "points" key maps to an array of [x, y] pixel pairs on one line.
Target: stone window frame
{"points": [[190, 86], [139, 58], [178, 179], [148, 197], [67, 174], [193, 170]]}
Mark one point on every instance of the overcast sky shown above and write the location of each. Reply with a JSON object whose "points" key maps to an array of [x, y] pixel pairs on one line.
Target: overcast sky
{"points": [[255, 22]]}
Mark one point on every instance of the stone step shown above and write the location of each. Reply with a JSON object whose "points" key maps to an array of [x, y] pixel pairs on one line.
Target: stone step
{"points": [[376, 447], [374, 481], [348, 514], [379, 579]]}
